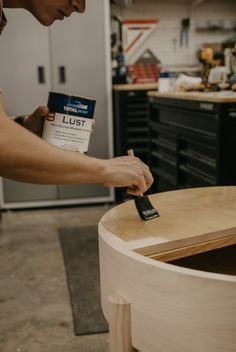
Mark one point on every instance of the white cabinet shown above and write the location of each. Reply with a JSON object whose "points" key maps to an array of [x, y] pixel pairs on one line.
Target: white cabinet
{"points": [[196, 3], [24, 50], [71, 57]]}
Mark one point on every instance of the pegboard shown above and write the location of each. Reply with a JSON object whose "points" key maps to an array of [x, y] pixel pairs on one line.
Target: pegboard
{"points": [[165, 40]]}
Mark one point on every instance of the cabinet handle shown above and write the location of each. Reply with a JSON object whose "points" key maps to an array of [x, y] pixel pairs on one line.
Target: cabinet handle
{"points": [[41, 75], [62, 74], [232, 114]]}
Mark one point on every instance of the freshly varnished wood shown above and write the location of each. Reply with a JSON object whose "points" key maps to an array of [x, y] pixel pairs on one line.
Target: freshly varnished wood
{"points": [[187, 216]]}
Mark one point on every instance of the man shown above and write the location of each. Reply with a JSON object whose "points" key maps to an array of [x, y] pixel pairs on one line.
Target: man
{"points": [[25, 157]]}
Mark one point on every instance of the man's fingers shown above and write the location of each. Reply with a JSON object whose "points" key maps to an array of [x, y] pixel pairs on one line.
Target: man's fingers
{"points": [[139, 189], [130, 172], [148, 178], [34, 122], [42, 111], [145, 178], [143, 182]]}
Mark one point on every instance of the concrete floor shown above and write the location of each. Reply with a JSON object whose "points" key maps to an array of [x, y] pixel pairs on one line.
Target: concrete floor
{"points": [[35, 312]]}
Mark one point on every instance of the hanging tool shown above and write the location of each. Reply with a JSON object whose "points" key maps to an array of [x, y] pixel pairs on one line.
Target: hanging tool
{"points": [[185, 25], [119, 70]]}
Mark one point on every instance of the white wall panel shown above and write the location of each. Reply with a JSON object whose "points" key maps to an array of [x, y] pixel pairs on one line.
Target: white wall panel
{"points": [[165, 40], [24, 46]]}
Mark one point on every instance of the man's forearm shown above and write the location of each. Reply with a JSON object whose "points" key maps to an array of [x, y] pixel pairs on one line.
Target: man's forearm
{"points": [[25, 157]]}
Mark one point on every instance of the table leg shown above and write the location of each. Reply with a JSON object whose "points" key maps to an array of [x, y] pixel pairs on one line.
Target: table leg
{"points": [[120, 324]]}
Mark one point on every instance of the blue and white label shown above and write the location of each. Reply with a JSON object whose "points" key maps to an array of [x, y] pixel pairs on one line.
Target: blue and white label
{"points": [[69, 123]]}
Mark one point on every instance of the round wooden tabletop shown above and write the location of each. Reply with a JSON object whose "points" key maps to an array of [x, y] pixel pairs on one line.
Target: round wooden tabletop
{"points": [[187, 217], [183, 213]]}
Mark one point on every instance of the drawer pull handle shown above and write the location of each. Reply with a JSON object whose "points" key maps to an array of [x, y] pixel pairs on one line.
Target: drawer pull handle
{"points": [[232, 114], [206, 106], [62, 74], [41, 75]]}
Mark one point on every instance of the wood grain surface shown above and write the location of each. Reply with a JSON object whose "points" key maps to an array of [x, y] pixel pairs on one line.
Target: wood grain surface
{"points": [[187, 217], [216, 97]]}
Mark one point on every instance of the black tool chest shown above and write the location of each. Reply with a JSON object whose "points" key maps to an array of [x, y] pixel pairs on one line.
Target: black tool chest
{"points": [[131, 122], [130, 112], [191, 143]]}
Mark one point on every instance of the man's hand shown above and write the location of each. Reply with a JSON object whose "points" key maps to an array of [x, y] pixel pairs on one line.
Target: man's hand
{"points": [[130, 172], [35, 121]]}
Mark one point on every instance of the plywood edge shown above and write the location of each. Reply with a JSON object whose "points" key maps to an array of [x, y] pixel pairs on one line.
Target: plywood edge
{"points": [[189, 246], [117, 248]]}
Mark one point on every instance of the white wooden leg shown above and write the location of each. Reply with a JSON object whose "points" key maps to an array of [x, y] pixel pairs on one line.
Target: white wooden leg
{"points": [[120, 324]]}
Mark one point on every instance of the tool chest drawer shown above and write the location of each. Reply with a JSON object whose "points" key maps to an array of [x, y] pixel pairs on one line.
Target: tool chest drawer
{"points": [[190, 144], [199, 162], [193, 121]]}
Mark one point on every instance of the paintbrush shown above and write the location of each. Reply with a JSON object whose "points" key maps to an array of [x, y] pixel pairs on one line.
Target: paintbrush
{"points": [[143, 205]]}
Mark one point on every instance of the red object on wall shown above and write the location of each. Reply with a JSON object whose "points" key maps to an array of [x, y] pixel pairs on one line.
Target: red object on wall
{"points": [[143, 73]]}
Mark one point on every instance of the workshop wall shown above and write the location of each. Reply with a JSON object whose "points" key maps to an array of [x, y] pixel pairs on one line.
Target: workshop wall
{"points": [[165, 40]]}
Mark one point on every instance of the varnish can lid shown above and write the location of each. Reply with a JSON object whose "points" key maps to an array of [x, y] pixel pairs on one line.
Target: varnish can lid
{"points": [[71, 104]]}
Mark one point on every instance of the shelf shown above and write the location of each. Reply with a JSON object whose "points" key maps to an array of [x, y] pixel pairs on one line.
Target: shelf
{"points": [[215, 30]]}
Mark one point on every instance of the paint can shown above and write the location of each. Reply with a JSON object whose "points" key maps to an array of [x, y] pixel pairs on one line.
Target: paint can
{"points": [[69, 123]]}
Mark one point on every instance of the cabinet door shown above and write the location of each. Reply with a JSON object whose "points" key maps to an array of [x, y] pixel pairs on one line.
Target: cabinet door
{"points": [[24, 63], [24, 56], [81, 66], [17, 192]]}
